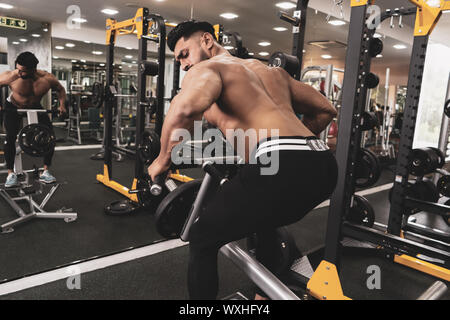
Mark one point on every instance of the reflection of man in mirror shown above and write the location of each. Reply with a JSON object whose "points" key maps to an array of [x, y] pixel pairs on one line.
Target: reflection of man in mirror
{"points": [[28, 85]]}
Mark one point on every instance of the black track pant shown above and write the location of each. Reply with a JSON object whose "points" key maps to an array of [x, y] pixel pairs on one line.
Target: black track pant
{"points": [[13, 123], [251, 202]]}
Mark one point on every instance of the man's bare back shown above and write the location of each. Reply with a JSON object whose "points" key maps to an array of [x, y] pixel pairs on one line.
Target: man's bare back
{"points": [[254, 96]]}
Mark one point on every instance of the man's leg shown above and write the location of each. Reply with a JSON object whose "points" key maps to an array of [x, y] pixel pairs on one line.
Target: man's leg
{"points": [[12, 127], [46, 176], [45, 120], [249, 203]]}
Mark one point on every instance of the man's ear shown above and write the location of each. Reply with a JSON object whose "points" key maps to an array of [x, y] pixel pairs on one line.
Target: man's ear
{"points": [[207, 38]]}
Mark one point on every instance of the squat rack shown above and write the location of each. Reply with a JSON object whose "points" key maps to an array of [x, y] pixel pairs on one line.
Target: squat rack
{"points": [[325, 283], [147, 27]]}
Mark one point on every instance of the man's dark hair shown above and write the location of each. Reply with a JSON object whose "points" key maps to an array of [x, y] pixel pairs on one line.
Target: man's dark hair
{"points": [[186, 29], [27, 59]]}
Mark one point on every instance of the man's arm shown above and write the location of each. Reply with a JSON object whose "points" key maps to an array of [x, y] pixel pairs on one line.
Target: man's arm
{"points": [[201, 87], [8, 76], [60, 91], [316, 109]]}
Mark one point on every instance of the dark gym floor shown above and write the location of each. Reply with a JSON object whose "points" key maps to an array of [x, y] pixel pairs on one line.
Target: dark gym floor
{"points": [[163, 276], [41, 245]]}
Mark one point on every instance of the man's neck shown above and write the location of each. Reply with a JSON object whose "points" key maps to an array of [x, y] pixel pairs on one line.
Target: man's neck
{"points": [[218, 50]]}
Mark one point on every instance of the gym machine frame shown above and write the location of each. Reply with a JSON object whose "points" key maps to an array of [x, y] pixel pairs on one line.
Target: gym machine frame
{"points": [[325, 283]]}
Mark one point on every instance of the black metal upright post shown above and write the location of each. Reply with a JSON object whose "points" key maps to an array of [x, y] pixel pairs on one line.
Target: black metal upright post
{"points": [[176, 78], [160, 88], [397, 209], [141, 93], [354, 92], [109, 105], [299, 34]]}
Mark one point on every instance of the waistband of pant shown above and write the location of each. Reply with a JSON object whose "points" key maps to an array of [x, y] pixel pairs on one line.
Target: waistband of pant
{"points": [[13, 105], [290, 144]]}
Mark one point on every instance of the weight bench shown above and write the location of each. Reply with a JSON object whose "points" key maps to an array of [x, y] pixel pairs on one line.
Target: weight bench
{"points": [[25, 190]]}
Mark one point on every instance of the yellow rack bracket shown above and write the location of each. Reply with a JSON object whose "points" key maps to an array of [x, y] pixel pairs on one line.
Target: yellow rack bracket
{"points": [[427, 17], [104, 178], [325, 283]]}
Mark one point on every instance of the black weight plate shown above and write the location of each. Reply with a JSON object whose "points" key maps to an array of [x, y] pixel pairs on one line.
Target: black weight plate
{"points": [[284, 252], [447, 108], [174, 209], [121, 208], [36, 140], [361, 212], [443, 186], [372, 80], [367, 169], [288, 62], [423, 161], [425, 190], [441, 156], [375, 47], [98, 92], [150, 147]]}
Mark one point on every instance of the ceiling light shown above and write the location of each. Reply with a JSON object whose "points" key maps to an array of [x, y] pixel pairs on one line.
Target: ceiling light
{"points": [[97, 53], [229, 15], [263, 54], [5, 6], [16, 42], [74, 61], [45, 29], [110, 12], [285, 5], [377, 35], [86, 41], [228, 47], [35, 35], [70, 45], [264, 44], [55, 57], [23, 40], [84, 61], [102, 64], [326, 56], [134, 62], [59, 48], [251, 54], [129, 48], [129, 57], [379, 56], [399, 46], [336, 22], [280, 29], [79, 20]]}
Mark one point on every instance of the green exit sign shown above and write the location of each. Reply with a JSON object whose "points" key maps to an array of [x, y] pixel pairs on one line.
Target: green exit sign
{"points": [[13, 23]]}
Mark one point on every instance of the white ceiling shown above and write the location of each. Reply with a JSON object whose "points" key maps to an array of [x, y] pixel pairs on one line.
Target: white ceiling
{"points": [[255, 24]]}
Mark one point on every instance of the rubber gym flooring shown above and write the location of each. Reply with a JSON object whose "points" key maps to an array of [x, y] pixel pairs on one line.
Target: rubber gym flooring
{"points": [[41, 245]]}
